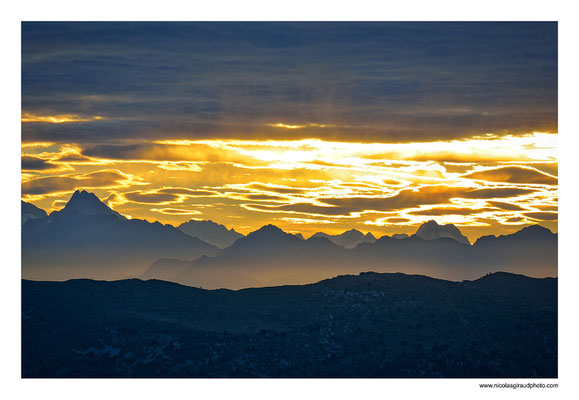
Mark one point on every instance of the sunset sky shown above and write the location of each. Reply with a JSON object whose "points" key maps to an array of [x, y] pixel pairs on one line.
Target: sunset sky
{"points": [[309, 126]]}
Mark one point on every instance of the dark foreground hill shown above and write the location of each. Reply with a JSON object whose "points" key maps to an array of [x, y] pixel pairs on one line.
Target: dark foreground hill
{"points": [[370, 325]]}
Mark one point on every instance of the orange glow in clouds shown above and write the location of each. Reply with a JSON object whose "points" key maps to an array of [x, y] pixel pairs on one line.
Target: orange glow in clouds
{"points": [[485, 184]]}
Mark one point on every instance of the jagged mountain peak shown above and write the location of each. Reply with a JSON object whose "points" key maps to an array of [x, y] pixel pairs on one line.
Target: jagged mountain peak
{"points": [[210, 232], [348, 239], [89, 204], [268, 230], [370, 236], [262, 238], [433, 230]]}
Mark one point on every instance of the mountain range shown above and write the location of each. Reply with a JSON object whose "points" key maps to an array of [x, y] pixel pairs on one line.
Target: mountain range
{"points": [[270, 256], [88, 239], [348, 239]]}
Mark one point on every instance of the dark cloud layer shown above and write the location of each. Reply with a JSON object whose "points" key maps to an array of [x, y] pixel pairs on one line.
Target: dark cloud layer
{"points": [[543, 216], [505, 206], [167, 152], [387, 82], [30, 163]]}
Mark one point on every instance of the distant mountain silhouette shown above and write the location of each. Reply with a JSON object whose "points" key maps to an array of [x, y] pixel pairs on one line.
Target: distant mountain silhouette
{"points": [[270, 256], [529, 234], [348, 239], [30, 211], [264, 257], [86, 203], [400, 236], [369, 325], [88, 239], [432, 230], [210, 232]]}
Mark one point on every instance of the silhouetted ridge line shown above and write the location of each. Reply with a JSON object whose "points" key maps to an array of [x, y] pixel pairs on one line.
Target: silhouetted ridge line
{"points": [[432, 230], [366, 325], [210, 232]]}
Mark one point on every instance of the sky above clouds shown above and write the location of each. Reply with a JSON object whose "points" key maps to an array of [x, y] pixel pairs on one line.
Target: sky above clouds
{"points": [[310, 126]]}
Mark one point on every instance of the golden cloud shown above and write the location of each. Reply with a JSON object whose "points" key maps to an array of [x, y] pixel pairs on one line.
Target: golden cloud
{"points": [[105, 179], [424, 195], [152, 198], [440, 211], [57, 119], [514, 174], [166, 195], [265, 197], [176, 211], [302, 208], [277, 189]]}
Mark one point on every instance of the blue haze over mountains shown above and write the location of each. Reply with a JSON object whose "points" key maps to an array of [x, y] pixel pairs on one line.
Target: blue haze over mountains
{"points": [[86, 239]]}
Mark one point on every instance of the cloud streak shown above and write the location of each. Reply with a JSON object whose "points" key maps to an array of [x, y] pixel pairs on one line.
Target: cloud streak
{"points": [[514, 175], [69, 183]]}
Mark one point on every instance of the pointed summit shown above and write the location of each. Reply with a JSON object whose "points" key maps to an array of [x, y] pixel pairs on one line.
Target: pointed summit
{"points": [[87, 203], [266, 238], [432, 230], [370, 237], [534, 231], [269, 230]]}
